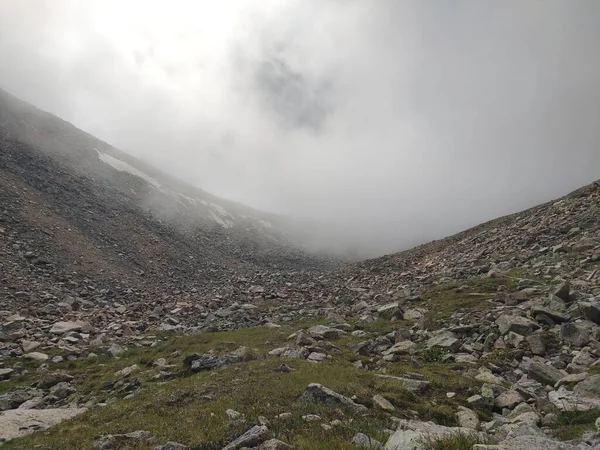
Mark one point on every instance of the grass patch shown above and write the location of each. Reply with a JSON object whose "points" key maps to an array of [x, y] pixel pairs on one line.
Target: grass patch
{"points": [[190, 408], [460, 441], [572, 424], [444, 300]]}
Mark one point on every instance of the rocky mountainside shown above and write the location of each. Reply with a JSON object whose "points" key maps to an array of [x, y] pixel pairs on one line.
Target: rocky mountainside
{"points": [[80, 219], [180, 331]]}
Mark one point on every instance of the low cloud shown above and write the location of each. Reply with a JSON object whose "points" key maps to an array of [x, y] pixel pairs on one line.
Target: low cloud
{"points": [[391, 122]]}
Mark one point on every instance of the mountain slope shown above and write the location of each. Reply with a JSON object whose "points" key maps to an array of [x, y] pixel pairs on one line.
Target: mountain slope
{"points": [[73, 208]]}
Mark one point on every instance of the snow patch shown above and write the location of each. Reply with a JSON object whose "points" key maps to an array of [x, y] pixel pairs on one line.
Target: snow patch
{"points": [[122, 166]]}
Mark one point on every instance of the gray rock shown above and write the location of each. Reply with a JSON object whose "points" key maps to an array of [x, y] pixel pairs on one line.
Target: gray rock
{"points": [[199, 363], [410, 384], [414, 435], [65, 327], [115, 350], [323, 332], [382, 403], [563, 291], [516, 324], [391, 311], [12, 400], [36, 356], [115, 441], [361, 440], [317, 357], [538, 343], [401, 348], [21, 422], [5, 374], [274, 444], [589, 387], [53, 378], [544, 373], [591, 310], [33, 403], [62, 390], [566, 400], [574, 334], [318, 393], [571, 379], [528, 442], [467, 418], [508, 399], [251, 438], [172, 446], [446, 340]]}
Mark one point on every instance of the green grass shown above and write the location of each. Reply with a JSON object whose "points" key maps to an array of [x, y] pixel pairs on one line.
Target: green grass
{"points": [[572, 424], [456, 442], [190, 408], [471, 294]]}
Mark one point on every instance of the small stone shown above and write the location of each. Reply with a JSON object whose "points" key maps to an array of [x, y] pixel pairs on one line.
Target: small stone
{"points": [[127, 371], [274, 444], [382, 403], [5, 374], [563, 291], [317, 357], [251, 438], [361, 440], [509, 399], [232, 414], [36, 356], [311, 418], [171, 446]]}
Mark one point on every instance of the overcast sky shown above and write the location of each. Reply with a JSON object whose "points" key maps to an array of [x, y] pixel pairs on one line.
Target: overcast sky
{"points": [[399, 121]]}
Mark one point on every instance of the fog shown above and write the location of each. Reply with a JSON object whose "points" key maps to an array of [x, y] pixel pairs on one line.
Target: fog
{"points": [[393, 122]]}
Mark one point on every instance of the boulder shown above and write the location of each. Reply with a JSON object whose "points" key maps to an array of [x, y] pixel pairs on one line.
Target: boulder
{"points": [[591, 311], [323, 332], [415, 435], [544, 373], [363, 441], [446, 340], [65, 327], [381, 403], [563, 291], [467, 418], [251, 438], [318, 393], [274, 444], [21, 422], [574, 334], [516, 324], [590, 387], [391, 311], [508, 399]]}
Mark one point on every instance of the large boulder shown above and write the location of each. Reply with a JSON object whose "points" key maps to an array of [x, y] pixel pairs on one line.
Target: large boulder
{"points": [[21, 422]]}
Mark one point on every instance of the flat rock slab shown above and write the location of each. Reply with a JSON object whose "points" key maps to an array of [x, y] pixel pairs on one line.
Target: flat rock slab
{"points": [[15, 423]]}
